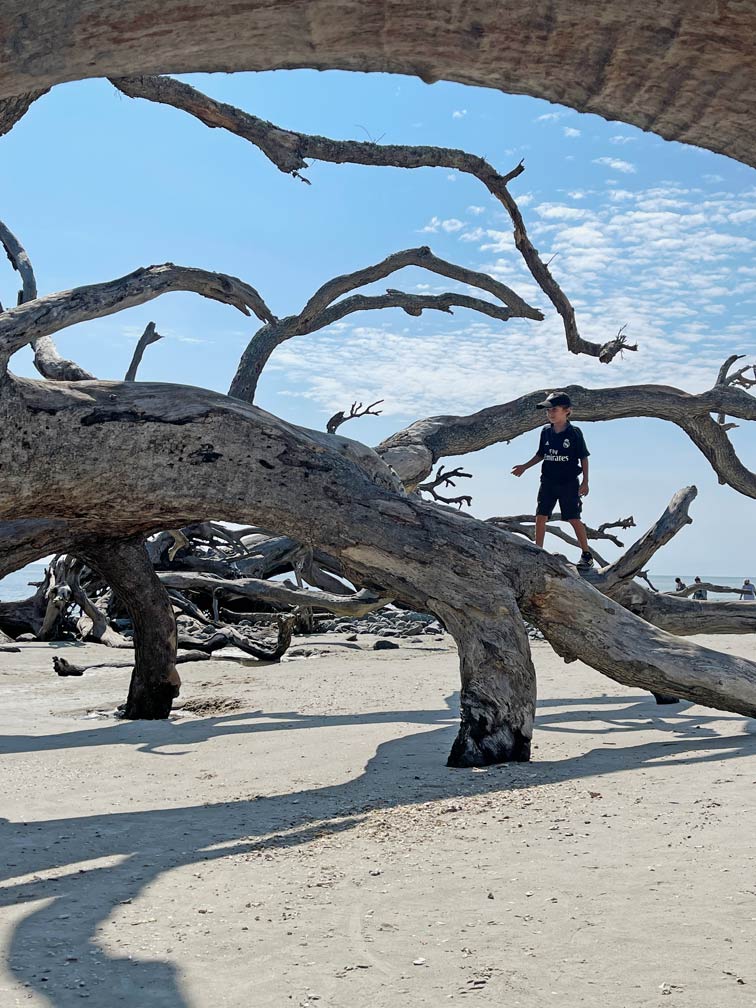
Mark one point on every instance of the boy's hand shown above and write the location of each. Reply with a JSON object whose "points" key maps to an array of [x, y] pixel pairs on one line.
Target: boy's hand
{"points": [[583, 491], [519, 470]]}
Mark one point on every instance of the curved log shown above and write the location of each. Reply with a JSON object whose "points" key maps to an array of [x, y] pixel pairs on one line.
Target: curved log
{"points": [[321, 311], [47, 360], [685, 71], [278, 593]]}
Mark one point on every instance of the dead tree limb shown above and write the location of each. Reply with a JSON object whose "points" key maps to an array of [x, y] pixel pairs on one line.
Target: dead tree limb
{"points": [[446, 478], [125, 566], [276, 592], [35, 319], [47, 360], [414, 451], [674, 517], [324, 308], [356, 410], [288, 151], [148, 337]]}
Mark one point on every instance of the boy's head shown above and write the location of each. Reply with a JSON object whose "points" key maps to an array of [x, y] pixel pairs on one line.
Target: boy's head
{"points": [[558, 406]]}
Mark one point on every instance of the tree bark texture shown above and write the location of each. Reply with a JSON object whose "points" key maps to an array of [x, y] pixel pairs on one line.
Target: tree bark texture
{"points": [[684, 69]]}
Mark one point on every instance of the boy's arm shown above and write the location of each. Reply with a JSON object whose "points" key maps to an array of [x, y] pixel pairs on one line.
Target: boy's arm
{"points": [[518, 470], [584, 484]]}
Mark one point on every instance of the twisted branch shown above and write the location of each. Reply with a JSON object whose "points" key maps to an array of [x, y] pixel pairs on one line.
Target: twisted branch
{"points": [[288, 151]]}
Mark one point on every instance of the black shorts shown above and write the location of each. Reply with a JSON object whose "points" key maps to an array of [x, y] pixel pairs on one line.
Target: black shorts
{"points": [[570, 501]]}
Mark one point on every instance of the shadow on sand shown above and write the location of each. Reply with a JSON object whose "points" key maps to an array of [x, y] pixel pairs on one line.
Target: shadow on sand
{"points": [[403, 771]]}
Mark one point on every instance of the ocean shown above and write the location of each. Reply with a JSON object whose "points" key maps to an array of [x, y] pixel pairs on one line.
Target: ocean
{"points": [[16, 585]]}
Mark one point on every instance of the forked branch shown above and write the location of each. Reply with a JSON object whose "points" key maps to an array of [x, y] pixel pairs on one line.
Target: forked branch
{"points": [[356, 410], [288, 150]]}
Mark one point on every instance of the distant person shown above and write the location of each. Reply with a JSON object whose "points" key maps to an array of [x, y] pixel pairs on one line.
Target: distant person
{"points": [[748, 592], [564, 458], [700, 593], [680, 585]]}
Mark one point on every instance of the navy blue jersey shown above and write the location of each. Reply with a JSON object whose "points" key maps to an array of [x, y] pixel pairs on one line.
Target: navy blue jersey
{"points": [[561, 453]]}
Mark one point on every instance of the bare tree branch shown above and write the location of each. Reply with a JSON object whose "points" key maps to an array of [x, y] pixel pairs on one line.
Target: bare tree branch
{"points": [[323, 310], [674, 517], [148, 337], [446, 478], [43, 316], [356, 410], [413, 452], [358, 604], [288, 150]]}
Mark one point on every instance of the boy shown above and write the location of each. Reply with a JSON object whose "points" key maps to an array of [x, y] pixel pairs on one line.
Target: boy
{"points": [[564, 456]]}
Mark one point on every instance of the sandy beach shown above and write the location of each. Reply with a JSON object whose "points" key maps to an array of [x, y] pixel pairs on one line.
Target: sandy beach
{"points": [[292, 837]]}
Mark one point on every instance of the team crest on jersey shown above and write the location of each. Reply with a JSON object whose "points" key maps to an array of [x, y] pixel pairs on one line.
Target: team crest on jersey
{"points": [[566, 443]]}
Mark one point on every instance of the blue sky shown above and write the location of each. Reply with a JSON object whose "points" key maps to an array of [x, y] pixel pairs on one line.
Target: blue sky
{"points": [[648, 234]]}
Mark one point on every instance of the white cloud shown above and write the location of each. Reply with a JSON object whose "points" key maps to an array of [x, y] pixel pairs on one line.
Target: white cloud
{"points": [[435, 224], [619, 139], [459, 113], [477, 210], [570, 131], [616, 165], [549, 117], [555, 211]]}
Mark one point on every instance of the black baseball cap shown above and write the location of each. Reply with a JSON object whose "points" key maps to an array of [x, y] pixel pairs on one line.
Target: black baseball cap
{"points": [[555, 399]]}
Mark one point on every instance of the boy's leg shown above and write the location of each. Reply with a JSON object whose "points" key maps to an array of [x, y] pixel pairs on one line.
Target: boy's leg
{"points": [[580, 535], [547, 498], [540, 529], [572, 506]]}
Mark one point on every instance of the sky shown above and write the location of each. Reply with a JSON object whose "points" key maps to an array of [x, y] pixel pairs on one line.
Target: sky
{"points": [[654, 236]]}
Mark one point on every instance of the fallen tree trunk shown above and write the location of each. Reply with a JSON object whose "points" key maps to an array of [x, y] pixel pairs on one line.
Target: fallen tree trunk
{"points": [[475, 578]]}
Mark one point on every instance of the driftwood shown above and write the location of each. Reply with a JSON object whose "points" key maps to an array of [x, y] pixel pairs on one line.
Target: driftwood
{"points": [[478, 583]]}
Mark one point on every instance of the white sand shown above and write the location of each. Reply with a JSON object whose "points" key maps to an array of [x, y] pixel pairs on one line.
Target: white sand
{"points": [[302, 842]]}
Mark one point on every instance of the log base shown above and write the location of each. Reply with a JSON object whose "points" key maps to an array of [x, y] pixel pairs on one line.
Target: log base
{"points": [[474, 747], [153, 704]]}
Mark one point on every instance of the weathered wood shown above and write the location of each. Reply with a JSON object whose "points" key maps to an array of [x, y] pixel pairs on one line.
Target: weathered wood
{"points": [[277, 592], [414, 451], [685, 70], [124, 565], [148, 337], [47, 360], [324, 308], [43, 316], [635, 559], [431, 558]]}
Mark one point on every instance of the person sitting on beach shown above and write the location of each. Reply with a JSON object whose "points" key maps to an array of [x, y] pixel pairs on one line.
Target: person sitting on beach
{"points": [[748, 591], [700, 593], [680, 585], [564, 455]]}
